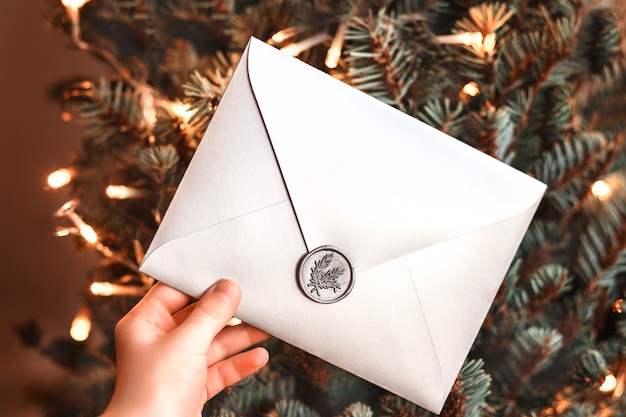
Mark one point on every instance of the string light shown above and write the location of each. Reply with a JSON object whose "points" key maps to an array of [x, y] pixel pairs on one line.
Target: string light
{"points": [[466, 38], [71, 7], [471, 89], [284, 34], [146, 101], [618, 306], [107, 289], [60, 178], [88, 233], [334, 52], [601, 190], [489, 44], [81, 325], [122, 192], [182, 111], [484, 45], [74, 4], [82, 228], [65, 208], [297, 48], [609, 384]]}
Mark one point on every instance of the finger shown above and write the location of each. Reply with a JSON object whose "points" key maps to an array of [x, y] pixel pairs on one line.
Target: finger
{"points": [[234, 369], [158, 305], [181, 315], [211, 313], [232, 340]]}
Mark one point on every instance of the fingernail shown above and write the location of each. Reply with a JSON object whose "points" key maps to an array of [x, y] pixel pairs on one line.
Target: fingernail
{"points": [[227, 287]]}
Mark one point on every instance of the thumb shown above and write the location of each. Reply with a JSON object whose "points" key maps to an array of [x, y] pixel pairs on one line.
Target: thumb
{"points": [[211, 313]]}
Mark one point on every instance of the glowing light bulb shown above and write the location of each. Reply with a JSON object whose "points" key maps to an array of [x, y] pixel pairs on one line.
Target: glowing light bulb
{"points": [[60, 178], [107, 289], [146, 101], [74, 4], [466, 38], [284, 34], [334, 52], [297, 48], [81, 325], [489, 43], [182, 111], [601, 190], [100, 288], [63, 231], [471, 89], [122, 192], [609, 384], [88, 233]]}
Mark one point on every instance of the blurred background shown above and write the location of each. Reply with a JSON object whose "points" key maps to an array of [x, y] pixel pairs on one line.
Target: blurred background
{"points": [[40, 274]]}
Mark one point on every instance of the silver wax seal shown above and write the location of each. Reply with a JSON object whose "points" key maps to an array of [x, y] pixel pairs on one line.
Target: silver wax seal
{"points": [[326, 275]]}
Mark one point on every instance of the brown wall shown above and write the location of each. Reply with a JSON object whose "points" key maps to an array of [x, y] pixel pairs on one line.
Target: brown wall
{"points": [[40, 275]]}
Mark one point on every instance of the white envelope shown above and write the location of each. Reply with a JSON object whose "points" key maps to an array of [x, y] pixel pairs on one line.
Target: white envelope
{"points": [[293, 160]]}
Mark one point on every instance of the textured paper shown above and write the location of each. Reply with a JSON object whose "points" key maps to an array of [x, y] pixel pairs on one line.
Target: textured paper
{"points": [[294, 159]]}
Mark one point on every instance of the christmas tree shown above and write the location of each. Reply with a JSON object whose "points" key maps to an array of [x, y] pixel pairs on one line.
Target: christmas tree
{"points": [[538, 85]]}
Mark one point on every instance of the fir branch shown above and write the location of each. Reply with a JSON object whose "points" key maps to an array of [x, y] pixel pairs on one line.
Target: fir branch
{"points": [[383, 60], [392, 406], [599, 104], [481, 130], [110, 108], [442, 115], [474, 388], [531, 351], [205, 91], [599, 42], [541, 289], [357, 410], [526, 59], [604, 237], [476, 60], [158, 161], [589, 371], [582, 156], [268, 385], [291, 408]]}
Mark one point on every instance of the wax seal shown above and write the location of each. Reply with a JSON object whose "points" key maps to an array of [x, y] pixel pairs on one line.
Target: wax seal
{"points": [[326, 275]]}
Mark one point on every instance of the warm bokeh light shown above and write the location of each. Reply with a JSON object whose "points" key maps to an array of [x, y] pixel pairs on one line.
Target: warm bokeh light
{"points": [[601, 189], [67, 206], [62, 232], [182, 111], [88, 233], [74, 4], [609, 384], [297, 48], [466, 38], [471, 89], [334, 52], [107, 289], [121, 192], [101, 288], [284, 34], [618, 306], [81, 326], [60, 178], [489, 43]]}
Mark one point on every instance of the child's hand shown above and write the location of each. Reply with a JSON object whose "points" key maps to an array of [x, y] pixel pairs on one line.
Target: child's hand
{"points": [[171, 359]]}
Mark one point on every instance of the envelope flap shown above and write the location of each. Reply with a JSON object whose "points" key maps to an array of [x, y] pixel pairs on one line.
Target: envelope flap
{"points": [[357, 170], [204, 197]]}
